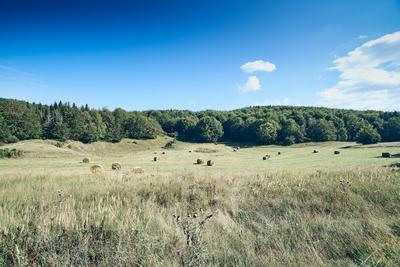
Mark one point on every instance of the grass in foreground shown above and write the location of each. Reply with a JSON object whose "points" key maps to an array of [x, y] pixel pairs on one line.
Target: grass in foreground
{"points": [[339, 218]]}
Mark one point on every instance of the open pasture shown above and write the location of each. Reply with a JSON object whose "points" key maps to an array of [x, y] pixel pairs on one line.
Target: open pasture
{"points": [[44, 157], [296, 208]]}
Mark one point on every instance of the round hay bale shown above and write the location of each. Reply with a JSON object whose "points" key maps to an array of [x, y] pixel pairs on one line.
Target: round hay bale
{"points": [[116, 166], [210, 162], [96, 168], [85, 160], [163, 153], [199, 161], [155, 159], [138, 170], [395, 165], [266, 157], [315, 151], [336, 152], [234, 150], [386, 155]]}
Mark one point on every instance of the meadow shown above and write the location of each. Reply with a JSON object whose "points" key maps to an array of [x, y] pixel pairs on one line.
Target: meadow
{"points": [[294, 209]]}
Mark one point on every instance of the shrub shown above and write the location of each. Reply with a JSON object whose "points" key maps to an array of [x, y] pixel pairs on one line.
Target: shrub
{"points": [[10, 153], [59, 144]]}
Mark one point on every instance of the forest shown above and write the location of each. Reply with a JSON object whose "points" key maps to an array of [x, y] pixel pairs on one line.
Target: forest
{"points": [[284, 125]]}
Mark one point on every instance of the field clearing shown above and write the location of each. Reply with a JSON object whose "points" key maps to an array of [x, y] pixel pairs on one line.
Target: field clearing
{"points": [[295, 209], [44, 158]]}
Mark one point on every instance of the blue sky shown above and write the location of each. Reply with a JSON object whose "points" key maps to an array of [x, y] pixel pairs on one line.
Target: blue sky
{"points": [[200, 54]]}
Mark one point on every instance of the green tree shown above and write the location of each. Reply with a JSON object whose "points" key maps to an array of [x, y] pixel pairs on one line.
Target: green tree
{"points": [[140, 127], [321, 130], [5, 134], [208, 129], [391, 130], [290, 132], [267, 132], [233, 128], [368, 135], [185, 128]]}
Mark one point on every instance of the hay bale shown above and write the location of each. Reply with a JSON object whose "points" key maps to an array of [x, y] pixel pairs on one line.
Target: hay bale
{"points": [[116, 166], [386, 155], [395, 165], [163, 153], [199, 161], [155, 159], [138, 170], [234, 150], [210, 162], [96, 168], [315, 151], [336, 152], [85, 160], [266, 157]]}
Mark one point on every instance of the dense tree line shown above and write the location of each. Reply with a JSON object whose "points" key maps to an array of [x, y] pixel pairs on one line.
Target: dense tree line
{"points": [[285, 125]]}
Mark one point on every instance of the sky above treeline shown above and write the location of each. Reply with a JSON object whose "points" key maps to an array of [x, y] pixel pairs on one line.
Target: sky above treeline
{"points": [[202, 54]]}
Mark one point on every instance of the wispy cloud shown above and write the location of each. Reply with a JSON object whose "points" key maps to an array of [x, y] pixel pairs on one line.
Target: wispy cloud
{"points": [[258, 65], [252, 84], [369, 76]]}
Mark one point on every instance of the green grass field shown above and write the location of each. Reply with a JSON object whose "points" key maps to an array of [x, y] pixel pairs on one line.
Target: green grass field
{"points": [[297, 208]]}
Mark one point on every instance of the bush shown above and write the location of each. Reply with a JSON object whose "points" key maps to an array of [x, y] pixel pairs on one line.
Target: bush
{"points": [[169, 144], [10, 153], [59, 144]]}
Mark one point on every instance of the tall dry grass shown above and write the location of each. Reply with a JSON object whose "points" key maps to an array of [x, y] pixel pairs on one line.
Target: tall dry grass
{"points": [[341, 218]]}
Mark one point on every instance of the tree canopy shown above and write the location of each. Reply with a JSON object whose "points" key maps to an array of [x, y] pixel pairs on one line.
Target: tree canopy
{"points": [[285, 125]]}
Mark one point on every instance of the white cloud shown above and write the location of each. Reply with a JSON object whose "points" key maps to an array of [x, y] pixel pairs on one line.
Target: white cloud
{"points": [[253, 84], [258, 65], [369, 76]]}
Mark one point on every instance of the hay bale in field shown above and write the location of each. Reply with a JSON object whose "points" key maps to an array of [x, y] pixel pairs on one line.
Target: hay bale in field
{"points": [[266, 157], [85, 160], [163, 153], [116, 166], [138, 170], [155, 159], [210, 162], [386, 155], [234, 150], [96, 168], [199, 161], [315, 151], [336, 152], [395, 165]]}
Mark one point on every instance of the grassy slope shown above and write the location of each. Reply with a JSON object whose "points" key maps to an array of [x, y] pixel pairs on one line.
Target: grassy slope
{"points": [[295, 209]]}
